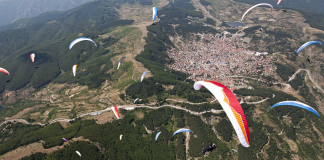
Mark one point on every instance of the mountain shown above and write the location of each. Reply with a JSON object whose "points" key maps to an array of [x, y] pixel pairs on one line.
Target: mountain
{"points": [[191, 40], [18, 9], [90, 17]]}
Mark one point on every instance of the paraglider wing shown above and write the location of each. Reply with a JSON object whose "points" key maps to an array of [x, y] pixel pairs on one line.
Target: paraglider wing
{"points": [[4, 71], [154, 13], [260, 4], [64, 139], [231, 107], [32, 57], [307, 44], [182, 130], [115, 110], [0, 107], [136, 100], [74, 68], [296, 104], [235, 150], [81, 39], [121, 136], [120, 60], [157, 135], [78, 153], [278, 2], [142, 77]]}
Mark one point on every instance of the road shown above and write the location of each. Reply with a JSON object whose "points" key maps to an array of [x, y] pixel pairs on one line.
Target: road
{"points": [[294, 75], [254, 102], [190, 102], [20, 120], [108, 109], [273, 96]]}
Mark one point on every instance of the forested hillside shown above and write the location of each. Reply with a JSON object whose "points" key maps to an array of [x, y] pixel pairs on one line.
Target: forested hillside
{"points": [[167, 99], [136, 142], [50, 40]]}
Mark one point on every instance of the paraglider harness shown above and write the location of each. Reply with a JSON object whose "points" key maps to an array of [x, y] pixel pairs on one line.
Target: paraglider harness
{"points": [[210, 147]]}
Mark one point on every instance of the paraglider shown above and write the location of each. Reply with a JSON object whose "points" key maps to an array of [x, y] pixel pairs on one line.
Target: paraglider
{"points": [[284, 10], [74, 68], [260, 4], [294, 129], [210, 147], [308, 60], [296, 104], [154, 13], [121, 136], [182, 130], [81, 39], [260, 29], [4, 71], [278, 2], [32, 57], [64, 139], [78, 153], [307, 44], [142, 77], [231, 107], [136, 100], [8, 81], [234, 150], [115, 110], [120, 60], [157, 135]]}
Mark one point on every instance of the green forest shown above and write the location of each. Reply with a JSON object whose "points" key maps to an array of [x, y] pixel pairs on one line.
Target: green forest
{"points": [[49, 41], [136, 143]]}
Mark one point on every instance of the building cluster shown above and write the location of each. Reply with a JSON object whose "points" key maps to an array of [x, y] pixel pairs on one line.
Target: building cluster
{"points": [[219, 57]]}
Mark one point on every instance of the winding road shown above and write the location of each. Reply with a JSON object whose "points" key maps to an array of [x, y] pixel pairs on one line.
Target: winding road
{"points": [[294, 75], [108, 109]]}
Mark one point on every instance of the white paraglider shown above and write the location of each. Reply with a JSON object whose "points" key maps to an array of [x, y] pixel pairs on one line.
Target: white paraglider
{"points": [[154, 13], [143, 75], [261, 4], [74, 68], [78, 153], [81, 39]]}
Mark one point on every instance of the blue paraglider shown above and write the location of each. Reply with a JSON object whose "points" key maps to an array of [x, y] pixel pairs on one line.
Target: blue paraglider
{"points": [[154, 13], [235, 150], [182, 130], [296, 104], [157, 135], [307, 44]]}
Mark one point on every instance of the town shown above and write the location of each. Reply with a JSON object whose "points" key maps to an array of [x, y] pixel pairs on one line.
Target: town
{"points": [[220, 58]]}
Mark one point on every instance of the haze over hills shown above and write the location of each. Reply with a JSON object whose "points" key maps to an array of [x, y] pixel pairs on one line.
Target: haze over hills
{"points": [[13, 10], [190, 41]]}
